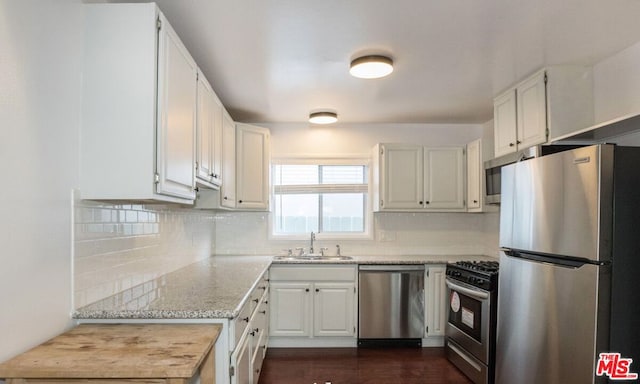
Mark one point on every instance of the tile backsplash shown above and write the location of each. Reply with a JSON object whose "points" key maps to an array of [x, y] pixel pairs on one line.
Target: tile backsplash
{"points": [[394, 234], [119, 246]]}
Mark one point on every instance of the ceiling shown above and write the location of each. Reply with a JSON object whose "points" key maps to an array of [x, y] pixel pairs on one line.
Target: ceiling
{"points": [[278, 60]]}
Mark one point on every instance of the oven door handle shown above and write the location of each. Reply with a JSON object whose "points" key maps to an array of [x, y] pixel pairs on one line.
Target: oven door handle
{"points": [[467, 291]]}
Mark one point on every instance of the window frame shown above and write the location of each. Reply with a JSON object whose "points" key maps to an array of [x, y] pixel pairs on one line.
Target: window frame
{"points": [[321, 236]]}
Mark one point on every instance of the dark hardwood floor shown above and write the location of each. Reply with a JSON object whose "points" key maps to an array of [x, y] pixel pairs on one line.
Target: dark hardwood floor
{"points": [[359, 366]]}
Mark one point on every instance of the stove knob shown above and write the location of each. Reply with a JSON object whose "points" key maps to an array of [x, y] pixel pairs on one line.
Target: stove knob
{"points": [[471, 279]]}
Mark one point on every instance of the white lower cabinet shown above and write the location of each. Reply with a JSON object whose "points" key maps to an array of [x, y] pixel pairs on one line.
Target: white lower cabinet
{"points": [[241, 371], [312, 302], [333, 309], [249, 336], [291, 303], [435, 300]]}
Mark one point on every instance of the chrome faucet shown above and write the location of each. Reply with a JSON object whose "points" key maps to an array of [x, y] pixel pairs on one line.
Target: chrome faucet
{"points": [[313, 238]]}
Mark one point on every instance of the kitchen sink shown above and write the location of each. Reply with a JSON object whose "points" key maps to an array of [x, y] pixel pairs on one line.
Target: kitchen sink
{"points": [[313, 258]]}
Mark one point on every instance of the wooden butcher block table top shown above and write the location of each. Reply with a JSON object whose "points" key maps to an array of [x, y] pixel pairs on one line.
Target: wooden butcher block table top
{"points": [[120, 351]]}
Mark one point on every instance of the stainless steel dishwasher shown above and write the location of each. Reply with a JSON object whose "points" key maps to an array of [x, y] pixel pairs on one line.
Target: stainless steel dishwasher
{"points": [[390, 305]]}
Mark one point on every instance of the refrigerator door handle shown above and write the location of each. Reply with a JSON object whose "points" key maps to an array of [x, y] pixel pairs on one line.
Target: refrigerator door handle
{"points": [[558, 260], [467, 291]]}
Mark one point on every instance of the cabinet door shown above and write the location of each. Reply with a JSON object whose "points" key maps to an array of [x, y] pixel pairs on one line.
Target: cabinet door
{"points": [[228, 187], [252, 167], [241, 363], [532, 111], [216, 149], [177, 100], [204, 130], [474, 175], [402, 175], [505, 123], [436, 310], [333, 308], [444, 178], [290, 308]]}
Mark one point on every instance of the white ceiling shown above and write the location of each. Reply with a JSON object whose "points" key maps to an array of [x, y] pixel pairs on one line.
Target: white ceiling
{"points": [[277, 60]]}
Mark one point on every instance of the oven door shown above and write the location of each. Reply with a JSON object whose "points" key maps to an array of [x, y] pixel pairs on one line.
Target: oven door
{"points": [[468, 319]]}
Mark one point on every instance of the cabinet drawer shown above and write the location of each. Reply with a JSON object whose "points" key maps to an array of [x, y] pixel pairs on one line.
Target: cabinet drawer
{"points": [[260, 317], [258, 354], [313, 273], [240, 323]]}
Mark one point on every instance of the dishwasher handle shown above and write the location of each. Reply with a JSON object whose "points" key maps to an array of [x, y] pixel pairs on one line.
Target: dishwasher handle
{"points": [[392, 268]]}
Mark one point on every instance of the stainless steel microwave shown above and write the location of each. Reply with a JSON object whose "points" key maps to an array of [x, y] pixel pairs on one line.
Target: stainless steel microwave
{"points": [[493, 168]]}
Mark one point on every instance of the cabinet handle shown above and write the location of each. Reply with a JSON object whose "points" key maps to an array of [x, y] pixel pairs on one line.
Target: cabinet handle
{"points": [[196, 189], [252, 333], [225, 198], [475, 201], [262, 287], [257, 370], [255, 300], [317, 290], [306, 290], [246, 319], [239, 201], [420, 202], [518, 142], [426, 202], [511, 144], [266, 301], [263, 312]]}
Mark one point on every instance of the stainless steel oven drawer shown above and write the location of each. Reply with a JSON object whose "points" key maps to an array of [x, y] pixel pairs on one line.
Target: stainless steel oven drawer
{"points": [[469, 365]]}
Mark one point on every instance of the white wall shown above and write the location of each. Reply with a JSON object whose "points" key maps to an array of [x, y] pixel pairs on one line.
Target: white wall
{"points": [[40, 75], [342, 139], [394, 233]]}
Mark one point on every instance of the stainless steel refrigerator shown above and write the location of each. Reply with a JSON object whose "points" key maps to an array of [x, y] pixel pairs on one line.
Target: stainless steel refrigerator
{"points": [[569, 285]]}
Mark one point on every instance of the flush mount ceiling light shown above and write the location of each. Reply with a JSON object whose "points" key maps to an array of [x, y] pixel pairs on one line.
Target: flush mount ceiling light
{"points": [[324, 117], [371, 67]]}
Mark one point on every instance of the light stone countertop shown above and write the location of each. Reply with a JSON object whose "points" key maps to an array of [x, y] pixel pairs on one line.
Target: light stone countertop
{"points": [[217, 287], [212, 288]]}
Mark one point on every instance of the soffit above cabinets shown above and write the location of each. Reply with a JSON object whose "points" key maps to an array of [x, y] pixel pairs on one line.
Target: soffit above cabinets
{"points": [[274, 61]]}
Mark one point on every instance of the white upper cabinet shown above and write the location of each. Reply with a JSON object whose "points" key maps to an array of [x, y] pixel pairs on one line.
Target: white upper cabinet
{"points": [[252, 167], [474, 176], [444, 178], [532, 111], [228, 188], [209, 136], [245, 169], [414, 178], [505, 123], [401, 176], [139, 107], [177, 98], [549, 104]]}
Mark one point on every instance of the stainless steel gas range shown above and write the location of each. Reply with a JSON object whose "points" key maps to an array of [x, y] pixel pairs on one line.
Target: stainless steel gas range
{"points": [[472, 288]]}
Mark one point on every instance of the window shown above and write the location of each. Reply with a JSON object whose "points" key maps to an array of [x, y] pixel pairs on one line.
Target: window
{"points": [[323, 197]]}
